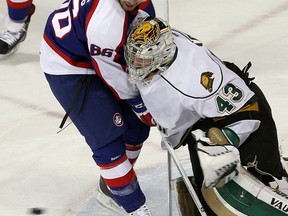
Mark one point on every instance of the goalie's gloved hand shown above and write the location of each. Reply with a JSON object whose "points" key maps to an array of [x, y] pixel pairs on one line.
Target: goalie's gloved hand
{"points": [[220, 163], [140, 110]]}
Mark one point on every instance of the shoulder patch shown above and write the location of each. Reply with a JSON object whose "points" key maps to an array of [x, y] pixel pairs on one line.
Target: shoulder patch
{"points": [[207, 80]]}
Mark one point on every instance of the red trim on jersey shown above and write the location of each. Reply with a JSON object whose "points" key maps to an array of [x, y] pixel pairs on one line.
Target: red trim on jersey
{"points": [[19, 5], [144, 5], [95, 64], [96, 67], [121, 181], [91, 12], [65, 57], [114, 163], [122, 42]]}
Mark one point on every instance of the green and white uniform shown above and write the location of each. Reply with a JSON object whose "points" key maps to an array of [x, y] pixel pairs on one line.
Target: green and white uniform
{"points": [[197, 85]]}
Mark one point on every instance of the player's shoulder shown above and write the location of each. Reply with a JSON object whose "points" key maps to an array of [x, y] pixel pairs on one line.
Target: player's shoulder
{"points": [[203, 73], [180, 36]]}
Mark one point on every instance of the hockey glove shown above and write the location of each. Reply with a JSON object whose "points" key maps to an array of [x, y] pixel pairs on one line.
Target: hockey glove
{"points": [[140, 110], [220, 163]]}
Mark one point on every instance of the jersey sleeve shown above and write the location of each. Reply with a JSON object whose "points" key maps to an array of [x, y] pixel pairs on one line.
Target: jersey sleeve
{"points": [[232, 106], [225, 98], [106, 37], [148, 7], [88, 38]]}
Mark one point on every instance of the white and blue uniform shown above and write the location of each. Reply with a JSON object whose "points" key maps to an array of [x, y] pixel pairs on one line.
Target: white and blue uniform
{"points": [[82, 57]]}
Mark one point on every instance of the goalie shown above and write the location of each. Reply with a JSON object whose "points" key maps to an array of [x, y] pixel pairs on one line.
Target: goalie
{"points": [[196, 98]]}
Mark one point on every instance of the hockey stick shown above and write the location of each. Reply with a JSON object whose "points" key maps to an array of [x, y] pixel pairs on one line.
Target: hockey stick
{"points": [[166, 16], [169, 184], [171, 154], [166, 10], [188, 184]]}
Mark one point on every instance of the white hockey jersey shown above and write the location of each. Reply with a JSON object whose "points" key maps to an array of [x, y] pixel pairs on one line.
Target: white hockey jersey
{"points": [[196, 86], [87, 37]]}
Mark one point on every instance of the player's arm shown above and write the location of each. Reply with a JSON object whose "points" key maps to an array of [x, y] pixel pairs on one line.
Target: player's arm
{"points": [[139, 108], [238, 126], [230, 116]]}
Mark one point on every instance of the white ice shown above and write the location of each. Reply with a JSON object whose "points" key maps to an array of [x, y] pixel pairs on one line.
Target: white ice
{"points": [[40, 168]]}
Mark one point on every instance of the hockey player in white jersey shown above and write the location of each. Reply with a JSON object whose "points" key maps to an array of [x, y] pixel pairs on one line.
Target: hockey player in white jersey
{"points": [[188, 89], [82, 58]]}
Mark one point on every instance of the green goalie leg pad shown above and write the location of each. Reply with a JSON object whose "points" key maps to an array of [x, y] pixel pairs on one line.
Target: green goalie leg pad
{"points": [[246, 195]]}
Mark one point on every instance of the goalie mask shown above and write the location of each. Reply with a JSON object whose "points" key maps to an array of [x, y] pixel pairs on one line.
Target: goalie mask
{"points": [[149, 47]]}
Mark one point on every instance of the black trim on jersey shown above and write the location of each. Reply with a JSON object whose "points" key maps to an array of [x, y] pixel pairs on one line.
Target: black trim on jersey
{"points": [[192, 39], [198, 44], [239, 116], [243, 74], [195, 97]]}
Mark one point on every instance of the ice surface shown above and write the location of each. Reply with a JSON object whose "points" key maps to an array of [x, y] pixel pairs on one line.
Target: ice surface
{"points": [[40, 168]]}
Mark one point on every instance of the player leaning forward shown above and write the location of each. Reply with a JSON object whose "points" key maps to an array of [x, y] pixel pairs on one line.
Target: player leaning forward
{"points": [[82, 57], [187, 88]]}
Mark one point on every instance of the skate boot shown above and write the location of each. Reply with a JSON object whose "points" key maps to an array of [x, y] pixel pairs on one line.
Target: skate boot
{"points": [[14, 34], [142, 211], [105, 198]]}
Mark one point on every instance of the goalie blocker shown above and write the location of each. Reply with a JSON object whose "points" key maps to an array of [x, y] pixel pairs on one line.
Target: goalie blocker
{"points": [[215, 162], [219, 160]]}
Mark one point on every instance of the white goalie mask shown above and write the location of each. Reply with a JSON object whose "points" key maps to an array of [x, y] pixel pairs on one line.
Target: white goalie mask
{"points": [[150, 46]]}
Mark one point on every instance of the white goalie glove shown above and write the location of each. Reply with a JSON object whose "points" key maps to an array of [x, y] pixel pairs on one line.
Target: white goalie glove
{"points": [[220, 162]]}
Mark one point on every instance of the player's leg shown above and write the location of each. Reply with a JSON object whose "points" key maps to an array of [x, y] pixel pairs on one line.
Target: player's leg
{"points": [[137, 132], [98, 116], [119, 175], [16, 26]]}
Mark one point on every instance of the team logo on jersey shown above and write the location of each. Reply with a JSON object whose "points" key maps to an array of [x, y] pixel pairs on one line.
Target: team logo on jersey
{"points": [[207, 80], [145, 33], [118, 120]]}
